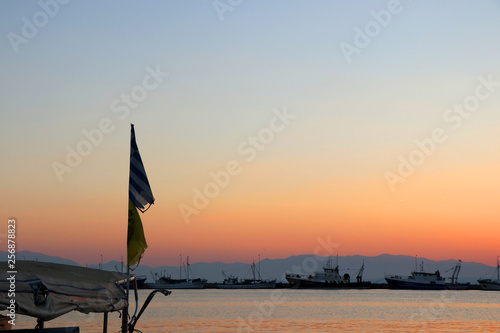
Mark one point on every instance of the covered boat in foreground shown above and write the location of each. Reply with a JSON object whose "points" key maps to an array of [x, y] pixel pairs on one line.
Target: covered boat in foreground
{"points": [[46, 291]]}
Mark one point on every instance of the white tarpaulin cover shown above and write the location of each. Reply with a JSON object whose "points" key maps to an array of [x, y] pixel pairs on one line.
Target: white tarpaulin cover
{"points": [[47, 291]]}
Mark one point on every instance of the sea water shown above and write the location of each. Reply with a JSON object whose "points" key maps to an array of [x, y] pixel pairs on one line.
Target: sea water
{"points": [[298, 310]]}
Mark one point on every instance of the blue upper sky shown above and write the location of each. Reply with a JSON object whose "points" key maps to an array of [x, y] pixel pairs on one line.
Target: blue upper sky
{"points": [[226, 75]]}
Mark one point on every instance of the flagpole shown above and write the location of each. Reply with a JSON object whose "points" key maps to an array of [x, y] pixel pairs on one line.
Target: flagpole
{"points": [[125, 310], [140, 196]]}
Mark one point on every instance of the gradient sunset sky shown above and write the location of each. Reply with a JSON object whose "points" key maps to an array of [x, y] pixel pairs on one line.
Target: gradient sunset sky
{"points": [[375, 124]]}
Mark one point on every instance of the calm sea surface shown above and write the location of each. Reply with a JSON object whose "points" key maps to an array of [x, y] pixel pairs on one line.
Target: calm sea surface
{"points": [[286, 310]]}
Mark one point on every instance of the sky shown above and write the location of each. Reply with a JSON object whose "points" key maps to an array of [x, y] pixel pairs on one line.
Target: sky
{"points": [[265, 127]]}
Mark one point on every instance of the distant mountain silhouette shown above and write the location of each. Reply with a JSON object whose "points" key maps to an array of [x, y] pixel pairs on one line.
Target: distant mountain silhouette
{"points": [[375, 267], [35, 256]]}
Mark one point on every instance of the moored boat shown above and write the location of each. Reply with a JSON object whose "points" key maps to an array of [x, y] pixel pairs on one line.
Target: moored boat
{"points": [[167, 282], [491, 284], [47, 291], [427, 280], [232, 282], [330, 277]]}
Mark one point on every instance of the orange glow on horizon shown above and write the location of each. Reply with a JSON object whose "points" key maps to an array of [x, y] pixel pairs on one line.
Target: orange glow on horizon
{"points": [[433, 214]]}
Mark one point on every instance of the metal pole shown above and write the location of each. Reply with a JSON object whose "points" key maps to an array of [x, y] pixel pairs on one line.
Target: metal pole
{"points": [[146, 303], [105, 323], [125, 309]]}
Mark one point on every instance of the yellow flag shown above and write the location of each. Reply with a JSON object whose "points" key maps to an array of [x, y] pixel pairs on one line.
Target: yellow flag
{"points": [[136, 242]]}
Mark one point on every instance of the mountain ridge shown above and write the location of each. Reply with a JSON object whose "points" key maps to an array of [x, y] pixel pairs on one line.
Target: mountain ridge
{"points": [[376, 267]]}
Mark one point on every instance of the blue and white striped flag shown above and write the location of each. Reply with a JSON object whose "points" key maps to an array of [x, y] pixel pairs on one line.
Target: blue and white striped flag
{"points": [[139, 190], [140, 196]]}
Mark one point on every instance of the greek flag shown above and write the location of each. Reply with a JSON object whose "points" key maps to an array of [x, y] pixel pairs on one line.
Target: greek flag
{"points": [[140, 196], [139, 190]]}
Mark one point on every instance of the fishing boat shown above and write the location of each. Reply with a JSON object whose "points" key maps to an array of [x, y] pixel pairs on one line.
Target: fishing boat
{"points": [[330, 277], [427, 280], [232, 282], [167, 282], [491, 284]]}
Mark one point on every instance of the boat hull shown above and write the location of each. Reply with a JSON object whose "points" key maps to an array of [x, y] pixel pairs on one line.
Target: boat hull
{"points": [[297, 282], [187, 285], [412, 285], [489, 284], [262, 285]]}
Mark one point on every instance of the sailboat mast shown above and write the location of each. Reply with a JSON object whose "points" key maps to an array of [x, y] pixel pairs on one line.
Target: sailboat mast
{"points": [[337, 265], [258, 272], [498, 270], [180, 266]]}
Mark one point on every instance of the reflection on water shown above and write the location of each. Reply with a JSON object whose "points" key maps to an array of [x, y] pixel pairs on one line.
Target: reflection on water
{"points": [[284, 310]]}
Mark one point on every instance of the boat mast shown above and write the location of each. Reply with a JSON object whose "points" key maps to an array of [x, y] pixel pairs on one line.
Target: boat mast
{"points": [[187, 269], [498, 270], [258, 271], [180, 266]]}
